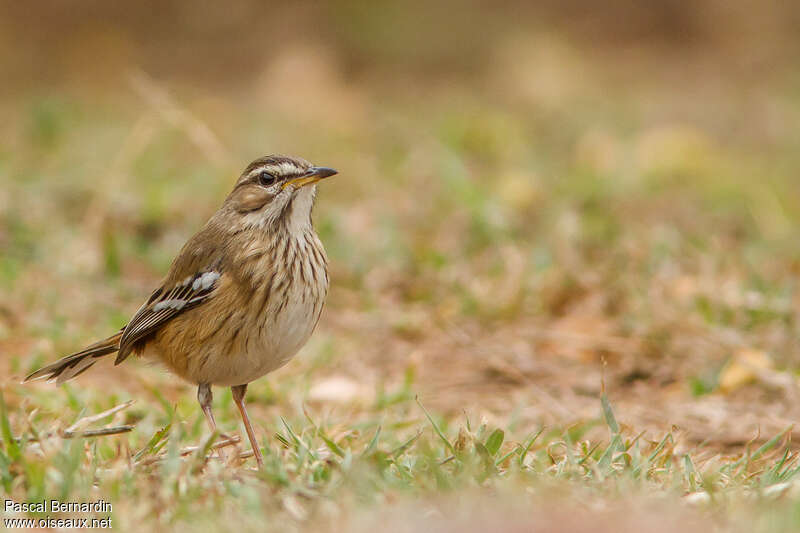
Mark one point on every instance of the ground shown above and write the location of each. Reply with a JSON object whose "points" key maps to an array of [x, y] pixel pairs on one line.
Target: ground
{"points": [[563, 287]]}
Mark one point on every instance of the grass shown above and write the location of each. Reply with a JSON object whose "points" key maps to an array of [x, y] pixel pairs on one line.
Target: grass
{"points": [[322, 468], [573, 306]]}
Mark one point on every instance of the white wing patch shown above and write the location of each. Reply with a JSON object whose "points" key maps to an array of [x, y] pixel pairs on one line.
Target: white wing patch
{"points": [[169, 304], [165, 304], [205, 281]]}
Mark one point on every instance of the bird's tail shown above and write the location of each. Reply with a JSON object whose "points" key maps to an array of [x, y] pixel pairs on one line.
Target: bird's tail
{"points": [[70, 366]]}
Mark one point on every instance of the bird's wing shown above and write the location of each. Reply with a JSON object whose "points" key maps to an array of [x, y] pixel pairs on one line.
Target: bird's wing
{"points": [[166, 303]]}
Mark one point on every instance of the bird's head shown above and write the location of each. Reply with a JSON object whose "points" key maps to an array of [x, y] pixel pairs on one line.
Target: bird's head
{"points": [[276, 188]]}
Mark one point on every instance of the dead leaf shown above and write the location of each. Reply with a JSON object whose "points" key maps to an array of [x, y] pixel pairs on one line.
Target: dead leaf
{"points": [[743, 368]]}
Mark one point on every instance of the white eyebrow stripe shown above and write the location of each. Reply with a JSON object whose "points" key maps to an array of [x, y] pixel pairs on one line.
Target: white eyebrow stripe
{"points": [[257, 171], [284, 168], [287, 168]]}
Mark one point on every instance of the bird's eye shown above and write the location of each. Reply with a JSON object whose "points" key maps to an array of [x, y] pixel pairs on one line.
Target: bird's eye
{"points": [[266, 179]]}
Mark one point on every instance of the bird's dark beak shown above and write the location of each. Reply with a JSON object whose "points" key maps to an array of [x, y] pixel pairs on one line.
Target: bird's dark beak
{"points": [[322, 172], [313, 175]]}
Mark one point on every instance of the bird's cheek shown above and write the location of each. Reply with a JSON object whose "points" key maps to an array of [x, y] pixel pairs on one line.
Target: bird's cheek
{"points": [[254, 200]]}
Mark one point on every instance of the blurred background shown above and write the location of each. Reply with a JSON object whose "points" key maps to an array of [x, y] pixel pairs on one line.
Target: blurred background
{"points": [[535, 199]]}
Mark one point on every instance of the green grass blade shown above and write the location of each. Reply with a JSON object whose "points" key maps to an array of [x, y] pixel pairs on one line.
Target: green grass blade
{"points": [[155, 443], [608, 413], [436, 427], [494, 441], [373, 444], [397, 452], [528, 446], [298, 441], [12, 447]]}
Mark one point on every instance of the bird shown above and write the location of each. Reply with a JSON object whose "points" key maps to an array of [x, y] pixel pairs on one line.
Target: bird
{"points": [[240, 299]]}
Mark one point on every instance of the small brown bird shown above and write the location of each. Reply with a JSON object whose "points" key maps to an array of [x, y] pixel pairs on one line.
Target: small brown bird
{"points": [[242, 296]]}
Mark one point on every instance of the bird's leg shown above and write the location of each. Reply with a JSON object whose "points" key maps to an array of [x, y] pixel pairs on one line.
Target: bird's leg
{"points": [[204, 396], [238, 397]]}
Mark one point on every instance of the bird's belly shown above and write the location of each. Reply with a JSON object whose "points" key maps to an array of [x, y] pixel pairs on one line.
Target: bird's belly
{"points": [[258, 329], [274, 346], [265, 343]]}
